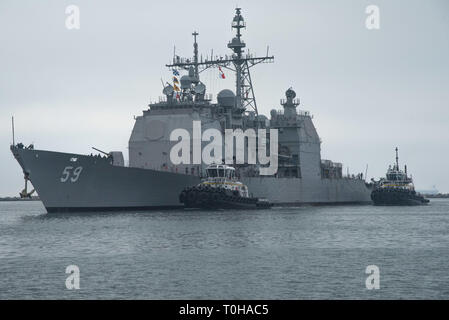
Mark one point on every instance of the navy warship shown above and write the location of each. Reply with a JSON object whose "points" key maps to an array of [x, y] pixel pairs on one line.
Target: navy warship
{"points": [[396, 188], [76, 182]]}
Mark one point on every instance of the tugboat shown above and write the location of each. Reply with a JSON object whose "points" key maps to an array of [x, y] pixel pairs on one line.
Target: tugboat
{"points": [[397, 188], [221, 190]]}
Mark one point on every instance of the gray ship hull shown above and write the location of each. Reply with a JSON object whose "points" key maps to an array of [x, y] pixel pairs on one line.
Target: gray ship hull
{"points": [[293, 191], [103, 186], [100, 186]]}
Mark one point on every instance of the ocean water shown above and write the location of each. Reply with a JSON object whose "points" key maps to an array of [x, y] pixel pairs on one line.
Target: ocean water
{"points": [[281, 253]]}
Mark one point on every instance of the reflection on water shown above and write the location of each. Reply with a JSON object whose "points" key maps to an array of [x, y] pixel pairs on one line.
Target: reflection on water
{"points": [[279, 253]]}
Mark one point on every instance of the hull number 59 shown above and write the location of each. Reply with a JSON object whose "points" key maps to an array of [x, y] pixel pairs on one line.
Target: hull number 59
{"points": [[71, 173]]}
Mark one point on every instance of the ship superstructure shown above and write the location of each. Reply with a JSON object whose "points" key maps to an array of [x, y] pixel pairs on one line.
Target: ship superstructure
{"points": [[80, 182], [150, 142]]}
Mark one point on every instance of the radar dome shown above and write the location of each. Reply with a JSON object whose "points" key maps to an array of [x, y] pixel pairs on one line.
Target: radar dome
{"points": [[200, 88], [290, 94], [168, 90], [186, 82], [226, 98]]}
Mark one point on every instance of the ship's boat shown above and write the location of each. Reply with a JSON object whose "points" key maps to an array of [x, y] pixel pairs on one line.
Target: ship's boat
{"points": [[221, 190], [397, 188]]}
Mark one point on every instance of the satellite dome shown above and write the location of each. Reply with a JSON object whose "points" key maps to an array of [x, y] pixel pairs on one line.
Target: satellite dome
{"points": [[290, 93], [200, 88], [168, 90], [226, 98], [186, 82]]}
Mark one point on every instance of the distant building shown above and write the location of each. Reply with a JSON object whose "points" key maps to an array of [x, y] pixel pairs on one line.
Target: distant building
{"points": [[433, 190]]}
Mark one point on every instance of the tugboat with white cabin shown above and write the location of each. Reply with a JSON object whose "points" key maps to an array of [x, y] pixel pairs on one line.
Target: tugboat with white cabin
{"points": [[221, 190], [397, 188]]}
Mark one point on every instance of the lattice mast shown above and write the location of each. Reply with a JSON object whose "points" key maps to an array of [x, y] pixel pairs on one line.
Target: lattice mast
{"points": [[238, 62]]}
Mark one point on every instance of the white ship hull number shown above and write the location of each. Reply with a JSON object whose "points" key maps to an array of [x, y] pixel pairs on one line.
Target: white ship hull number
{"points": [[71, 173]]}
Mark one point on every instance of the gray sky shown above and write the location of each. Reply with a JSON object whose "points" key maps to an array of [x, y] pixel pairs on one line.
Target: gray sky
{"points": [[369, 90]]}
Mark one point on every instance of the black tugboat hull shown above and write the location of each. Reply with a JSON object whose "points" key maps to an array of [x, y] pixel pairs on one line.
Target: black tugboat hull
{"points": [[218, 199], [225, 204], [397, 198]]}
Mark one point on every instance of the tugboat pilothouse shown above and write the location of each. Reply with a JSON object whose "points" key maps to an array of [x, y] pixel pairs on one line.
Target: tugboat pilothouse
{"points": [[397, 188], [220, 189]]}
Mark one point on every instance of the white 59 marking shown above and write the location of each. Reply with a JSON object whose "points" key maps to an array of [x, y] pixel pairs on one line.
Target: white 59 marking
{"points": [[71, 173]]}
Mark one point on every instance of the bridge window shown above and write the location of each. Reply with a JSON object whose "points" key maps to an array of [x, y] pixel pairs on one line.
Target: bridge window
{"points": [[212, 173]]}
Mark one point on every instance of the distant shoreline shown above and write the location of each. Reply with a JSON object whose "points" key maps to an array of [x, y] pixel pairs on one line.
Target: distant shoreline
{"points": [[435, 196], [19, 199]]}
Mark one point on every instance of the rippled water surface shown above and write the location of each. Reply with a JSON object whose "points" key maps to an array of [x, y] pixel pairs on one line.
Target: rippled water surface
{"points": [[281, 253]]}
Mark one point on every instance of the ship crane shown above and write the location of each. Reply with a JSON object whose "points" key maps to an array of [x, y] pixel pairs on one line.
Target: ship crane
{"points": [[238, 62]]}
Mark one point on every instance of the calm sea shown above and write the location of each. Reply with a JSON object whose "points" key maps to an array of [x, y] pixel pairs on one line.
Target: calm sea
{"points": [[281, 253]]}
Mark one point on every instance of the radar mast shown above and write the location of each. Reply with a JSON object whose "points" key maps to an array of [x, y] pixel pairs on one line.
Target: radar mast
{"points": [[238, 62], [195, 54], [397, 159]]}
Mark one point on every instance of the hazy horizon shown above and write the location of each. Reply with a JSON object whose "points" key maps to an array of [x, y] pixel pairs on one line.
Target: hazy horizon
{"points": [[368, 90]]}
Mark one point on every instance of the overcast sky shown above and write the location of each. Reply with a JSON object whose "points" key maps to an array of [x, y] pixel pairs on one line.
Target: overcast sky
{"points": [[369, 90]]}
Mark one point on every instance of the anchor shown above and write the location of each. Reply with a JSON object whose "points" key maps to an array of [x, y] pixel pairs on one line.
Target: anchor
{"points": [[24, 193]]}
